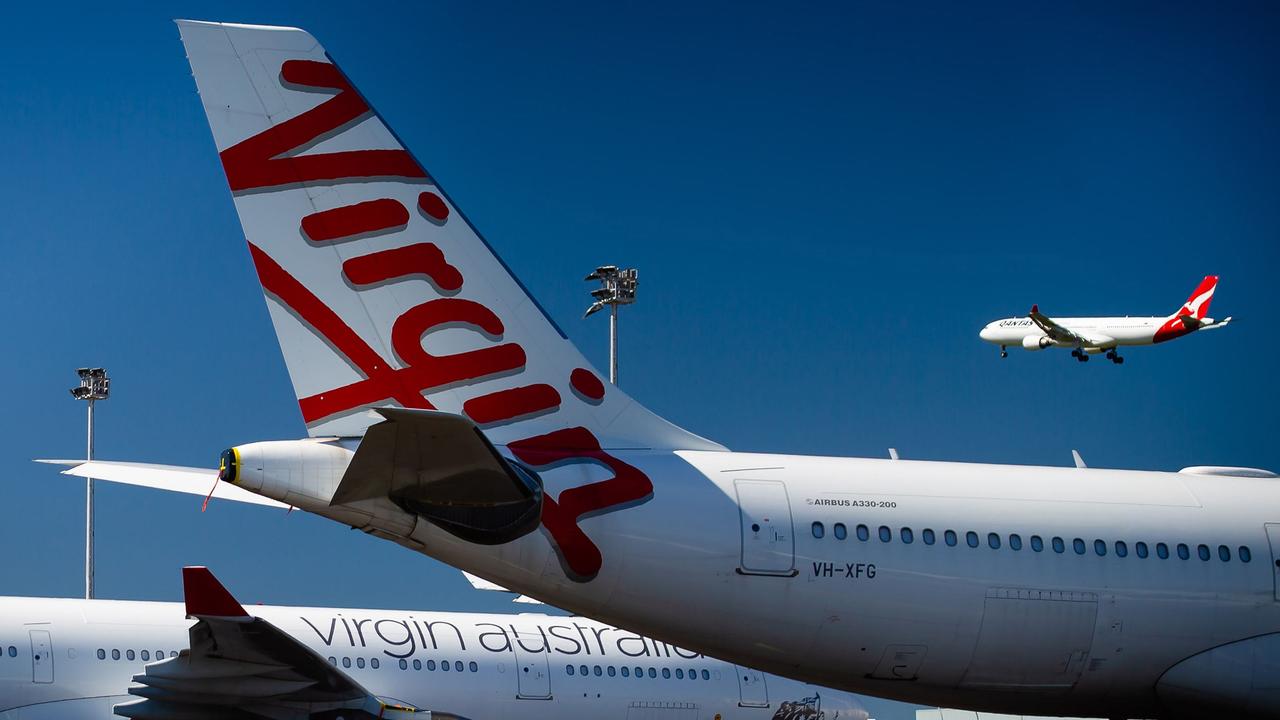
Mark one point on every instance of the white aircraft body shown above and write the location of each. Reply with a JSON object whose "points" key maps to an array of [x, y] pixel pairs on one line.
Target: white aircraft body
{"points": [[449, 414], [82, 659], [1089, 336]]}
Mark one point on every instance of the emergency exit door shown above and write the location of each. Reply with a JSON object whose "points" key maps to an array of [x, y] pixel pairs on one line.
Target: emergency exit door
{"points": [[533, 672], [41, 656], [751, 689], [768, 545], [1273, 539]]}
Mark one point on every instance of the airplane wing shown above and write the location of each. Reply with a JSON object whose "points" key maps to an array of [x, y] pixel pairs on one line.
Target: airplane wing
{"points": [[1058, 333], [240, 666], [480, 583], [193, 481]]}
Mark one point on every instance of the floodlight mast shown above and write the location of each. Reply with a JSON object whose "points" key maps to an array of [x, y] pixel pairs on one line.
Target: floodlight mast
{"points": [[618, 287], [94, 386]]}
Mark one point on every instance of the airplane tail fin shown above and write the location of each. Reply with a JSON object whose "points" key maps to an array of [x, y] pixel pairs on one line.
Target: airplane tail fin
{"points": [[380, 290], [1197, 306]]}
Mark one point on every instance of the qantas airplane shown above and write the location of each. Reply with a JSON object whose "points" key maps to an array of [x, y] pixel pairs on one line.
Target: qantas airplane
{"points": [[448, 413], [1089, 336], [90, 659]]}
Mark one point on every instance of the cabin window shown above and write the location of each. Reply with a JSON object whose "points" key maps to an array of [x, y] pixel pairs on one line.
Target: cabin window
{"points": [[159, 654], [333, 661], [949, 537], [473, 667], [1140, 549], [1078, 546], [626, 671], [346, 662], [818, 532], [971, 538], [993, 541], [679, 673], [360, 662], [102, 654], [1184, 552], [597, 671], [1015, 542], [1100, 547], [1203, 552], [666, 673], [568, 669], [1162, 551], [1122, 550], [457, 665], [863, 533], [584, 670], [1244, 554], [927, 536], [611, 671], [885, 534], [404, 664], [128, 654], [115, 654], [145, 654], [173, 653], [444, 666], [653, 673], [431, 664], [907, 536], [1058, 545], [839, 531], [706, 675], [1037, 543], [373, 663], [1224, 553]]}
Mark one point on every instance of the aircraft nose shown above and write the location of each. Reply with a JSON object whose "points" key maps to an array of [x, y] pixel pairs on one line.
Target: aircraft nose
{"points": [[986, 333]]}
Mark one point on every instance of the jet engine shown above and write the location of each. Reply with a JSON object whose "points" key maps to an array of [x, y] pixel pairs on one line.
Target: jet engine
{"points": [[303, 473], [1034, 343]]}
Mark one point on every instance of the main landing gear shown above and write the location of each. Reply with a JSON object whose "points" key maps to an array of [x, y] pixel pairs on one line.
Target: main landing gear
{"points": [[1079, 355], [1114, 357], [1003, 353]]}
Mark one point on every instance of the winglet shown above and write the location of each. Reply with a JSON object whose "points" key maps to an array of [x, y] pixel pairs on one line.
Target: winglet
{"points": [[205, 596], [1075, 455]]}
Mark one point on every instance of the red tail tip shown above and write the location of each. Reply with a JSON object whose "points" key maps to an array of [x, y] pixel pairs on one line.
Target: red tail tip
{"points": [[1035, 309], [205, 596]]}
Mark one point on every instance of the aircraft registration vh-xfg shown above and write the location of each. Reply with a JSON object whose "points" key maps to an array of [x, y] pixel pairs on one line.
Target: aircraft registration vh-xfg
{"points": [[87, 659], [448, 413], [1089, 336]]}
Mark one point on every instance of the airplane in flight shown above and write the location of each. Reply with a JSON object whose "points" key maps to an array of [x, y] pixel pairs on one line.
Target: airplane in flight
{"points": [[65, 659], [448, 413], [1090, 336]]}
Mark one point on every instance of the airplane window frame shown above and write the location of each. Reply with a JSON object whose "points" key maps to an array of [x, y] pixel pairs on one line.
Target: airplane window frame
{"points": [[359, 663], [863, 532], [1037, 543], [971, 539], [457, 666], [906, 535], [417, 664], [597, 671], [129, 655], [949, 537], [1224, 553], [928, 536], [611, 671], [679, 673], [706, 674], [1015, 542], [1141, 549], [373, 663], [993, 541], [818, 530], [1184, 552], [1059, 545], [1077, 544], [666, 673], [885, 534], [568, 669], [473, 667], [115, 653], [839, 531], [346, 662], [653, 673], [625, 671], [1100, 547], [1202, 551], [1162, 551], [1121, 548], [1244, 553], [444, 666], [144, 655], [102, 653], [431, 665], [404, 664]]}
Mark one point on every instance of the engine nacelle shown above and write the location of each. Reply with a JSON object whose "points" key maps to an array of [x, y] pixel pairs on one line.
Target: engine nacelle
{"points": [[1033, 342], [303, 473]]}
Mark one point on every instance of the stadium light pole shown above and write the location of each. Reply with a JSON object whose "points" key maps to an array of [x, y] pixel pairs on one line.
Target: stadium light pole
{"points": [[94, 386], [617, 287]]}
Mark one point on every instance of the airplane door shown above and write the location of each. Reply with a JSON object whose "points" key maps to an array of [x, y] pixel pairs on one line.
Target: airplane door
{"points": [[1273, 539], [751, 689], [768, 546], [533, 673], [41, 656]]}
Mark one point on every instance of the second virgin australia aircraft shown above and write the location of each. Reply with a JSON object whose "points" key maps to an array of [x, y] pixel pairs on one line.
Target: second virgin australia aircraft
{"points": [[448, 413], [91, 659]]}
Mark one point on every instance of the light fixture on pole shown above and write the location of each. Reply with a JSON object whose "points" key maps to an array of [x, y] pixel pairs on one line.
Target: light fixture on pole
{"points": [[94, 386], [617, 287]]}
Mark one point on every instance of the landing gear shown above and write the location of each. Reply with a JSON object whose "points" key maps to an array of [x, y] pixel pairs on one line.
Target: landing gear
{"points": [[1078, 354], [1003, 353], [1114, 357]]}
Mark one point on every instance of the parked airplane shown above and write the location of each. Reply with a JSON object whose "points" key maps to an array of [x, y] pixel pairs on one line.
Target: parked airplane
{"points": [[448, 413], [72, 659], [1089, 336]]}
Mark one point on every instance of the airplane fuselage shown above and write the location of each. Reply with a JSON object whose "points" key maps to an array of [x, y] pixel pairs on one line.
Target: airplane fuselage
{"points": [[1109, 331], [70, 659]]}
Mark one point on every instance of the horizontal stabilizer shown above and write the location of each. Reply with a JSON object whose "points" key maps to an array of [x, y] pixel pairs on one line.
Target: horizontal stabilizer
{"points": [[174, 478], [440, 467], [480, 583]]}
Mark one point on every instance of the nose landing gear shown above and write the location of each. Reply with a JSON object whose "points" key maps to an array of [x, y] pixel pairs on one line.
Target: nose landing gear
{"points": [[1003, 353]]}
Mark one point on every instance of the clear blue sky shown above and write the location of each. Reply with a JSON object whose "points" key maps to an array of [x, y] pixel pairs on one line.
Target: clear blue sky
{"points": [[826, 203]]}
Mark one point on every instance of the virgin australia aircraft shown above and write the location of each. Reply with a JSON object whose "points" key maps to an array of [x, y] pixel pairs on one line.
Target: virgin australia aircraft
{"points": [[72, 659], [1089, 336], [448, 413]]}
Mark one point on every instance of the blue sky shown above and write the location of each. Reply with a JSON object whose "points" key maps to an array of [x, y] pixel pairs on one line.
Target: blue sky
{"points": [[825, 202]]}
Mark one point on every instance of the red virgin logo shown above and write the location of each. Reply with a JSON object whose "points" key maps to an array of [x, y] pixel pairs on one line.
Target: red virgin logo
{"points": [[268, 162]]}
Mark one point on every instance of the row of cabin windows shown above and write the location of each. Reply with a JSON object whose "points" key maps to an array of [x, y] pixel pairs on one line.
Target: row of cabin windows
{"points": [[116, 654], [626, 671], [994, 541], [444, 665]]}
